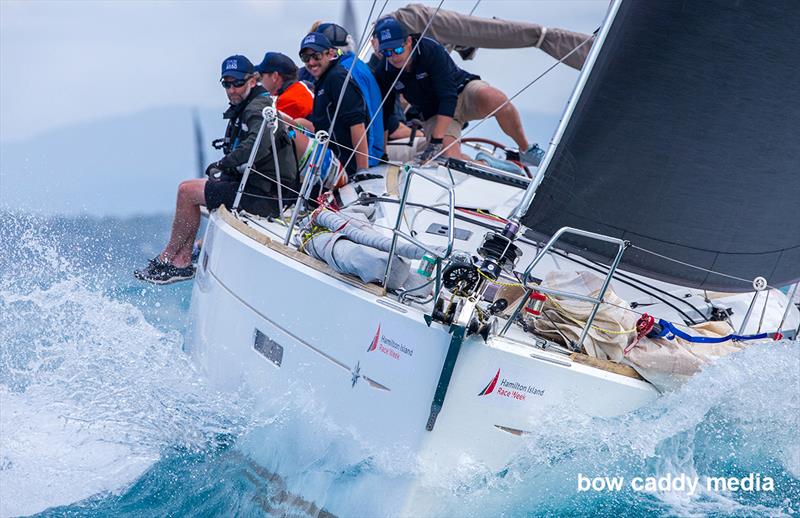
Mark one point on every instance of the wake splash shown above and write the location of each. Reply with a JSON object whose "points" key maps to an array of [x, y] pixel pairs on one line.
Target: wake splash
{"points": [[91, 393], [739, 416]]}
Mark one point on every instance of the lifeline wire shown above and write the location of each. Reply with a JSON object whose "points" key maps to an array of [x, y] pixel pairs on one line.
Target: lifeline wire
{"points": [[391, 87], [478, 123], [746, 281], [347, 79]]}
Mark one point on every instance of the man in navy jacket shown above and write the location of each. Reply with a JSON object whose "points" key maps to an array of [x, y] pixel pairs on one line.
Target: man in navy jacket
{"points": [[446, 96], [349, 128]]}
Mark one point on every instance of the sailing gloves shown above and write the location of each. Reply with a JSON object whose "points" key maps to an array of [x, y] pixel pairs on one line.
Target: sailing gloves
{"points": [[433, 148], [214, 171]]}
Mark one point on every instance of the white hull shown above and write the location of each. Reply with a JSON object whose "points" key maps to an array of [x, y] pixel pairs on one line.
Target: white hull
{"points": [[370, 366]]}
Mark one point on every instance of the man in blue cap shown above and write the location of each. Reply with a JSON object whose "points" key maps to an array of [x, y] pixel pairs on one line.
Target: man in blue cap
{"points": [[446, 96], [279, 77], [349, 128], [362, 75], [244, 115]]}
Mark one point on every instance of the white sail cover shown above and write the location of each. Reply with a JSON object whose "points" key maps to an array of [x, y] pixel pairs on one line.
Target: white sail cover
{"points": [[684, 141]]}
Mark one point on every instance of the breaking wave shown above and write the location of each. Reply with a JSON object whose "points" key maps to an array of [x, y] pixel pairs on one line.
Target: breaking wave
{"points": [[91, 393], [103, 413]]}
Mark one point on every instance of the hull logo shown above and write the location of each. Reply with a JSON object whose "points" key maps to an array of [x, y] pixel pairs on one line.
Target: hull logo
{"points": [[504, 387], [488, 389], [391, 348]]}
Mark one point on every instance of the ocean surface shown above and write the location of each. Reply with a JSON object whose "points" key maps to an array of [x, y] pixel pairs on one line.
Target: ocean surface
{"points": [[103, 414]]}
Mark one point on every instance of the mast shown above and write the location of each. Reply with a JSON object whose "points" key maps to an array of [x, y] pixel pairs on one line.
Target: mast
{"points": [[522, 208]]}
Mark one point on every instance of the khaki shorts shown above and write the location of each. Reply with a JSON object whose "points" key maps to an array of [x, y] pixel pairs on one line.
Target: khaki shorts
{"points": [[465, 111]]}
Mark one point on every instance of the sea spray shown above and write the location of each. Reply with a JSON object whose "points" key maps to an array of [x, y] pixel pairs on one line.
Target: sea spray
{"points": [[91, 393]]}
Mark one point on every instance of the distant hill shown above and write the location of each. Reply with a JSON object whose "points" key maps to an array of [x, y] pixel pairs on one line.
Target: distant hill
{"points": [[116, 166], [132, 164]]}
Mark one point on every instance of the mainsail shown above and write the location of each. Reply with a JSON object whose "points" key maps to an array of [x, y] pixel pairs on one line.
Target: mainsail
{"points": [[683, 140]]}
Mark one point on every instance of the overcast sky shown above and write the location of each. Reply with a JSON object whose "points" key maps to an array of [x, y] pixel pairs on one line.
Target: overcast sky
{"points": [[65, 62]]}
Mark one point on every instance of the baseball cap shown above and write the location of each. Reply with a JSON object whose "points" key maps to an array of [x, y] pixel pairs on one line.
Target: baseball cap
{"points": [[390, 33], [237, 67], [336, 34], [276, 62], [315, 41]]}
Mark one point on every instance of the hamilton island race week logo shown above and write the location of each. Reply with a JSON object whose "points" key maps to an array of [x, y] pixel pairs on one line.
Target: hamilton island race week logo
{"points": [[388, 346], [510, 389]]}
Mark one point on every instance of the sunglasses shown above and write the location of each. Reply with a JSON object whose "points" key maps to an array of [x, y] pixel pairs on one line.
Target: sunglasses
{"points": [[233, 84], [391, 52], [308, 56]]}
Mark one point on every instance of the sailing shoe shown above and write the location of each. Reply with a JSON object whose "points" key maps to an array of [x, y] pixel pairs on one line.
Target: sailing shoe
{"points": [[502, 165], [533, 156], [159, 272]]}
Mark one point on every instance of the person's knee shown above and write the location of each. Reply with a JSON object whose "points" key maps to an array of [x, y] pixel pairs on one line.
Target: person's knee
{"points": [[490, 98], [191, 191]]}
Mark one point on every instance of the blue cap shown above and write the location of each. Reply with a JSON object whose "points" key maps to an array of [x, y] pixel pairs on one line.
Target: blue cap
{"points": [[276, 62], [336, 34], [316, 41], [237, 67], [390, 33]]}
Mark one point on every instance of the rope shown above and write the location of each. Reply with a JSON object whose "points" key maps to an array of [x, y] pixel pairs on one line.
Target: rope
{"points": [[391, 87], [347, 80], [492, 281], [475, 7], [507, 101]]}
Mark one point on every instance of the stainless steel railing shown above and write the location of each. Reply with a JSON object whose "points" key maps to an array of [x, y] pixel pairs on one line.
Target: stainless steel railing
{"points": [[595, 301]]}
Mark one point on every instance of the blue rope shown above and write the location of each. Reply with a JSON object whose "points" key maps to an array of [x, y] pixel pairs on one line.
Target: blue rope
{"points": [[669, 331]]}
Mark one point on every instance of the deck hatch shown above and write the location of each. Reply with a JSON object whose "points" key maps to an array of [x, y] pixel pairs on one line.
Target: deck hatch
{"points": [[268, 348]]}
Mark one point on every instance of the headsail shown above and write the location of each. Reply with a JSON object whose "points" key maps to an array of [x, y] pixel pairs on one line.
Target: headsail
{"points": [[683, 141]]}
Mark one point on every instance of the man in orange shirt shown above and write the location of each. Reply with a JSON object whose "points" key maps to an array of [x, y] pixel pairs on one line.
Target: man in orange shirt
{"points": [[279, 78]]}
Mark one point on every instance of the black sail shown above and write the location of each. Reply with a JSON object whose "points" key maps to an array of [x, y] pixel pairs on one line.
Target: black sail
{"points": [[685, 141]]}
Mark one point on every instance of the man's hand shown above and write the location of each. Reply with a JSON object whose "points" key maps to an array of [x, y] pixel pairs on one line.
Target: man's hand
{"points": [[213, 171], [433, 148]]}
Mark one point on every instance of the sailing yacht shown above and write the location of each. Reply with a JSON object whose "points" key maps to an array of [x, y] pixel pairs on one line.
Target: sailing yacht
{"points": [[465, 303]]}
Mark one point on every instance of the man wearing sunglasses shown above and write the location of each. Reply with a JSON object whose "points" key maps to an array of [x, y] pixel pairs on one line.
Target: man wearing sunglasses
{"points": [[244, 115], [321, 60], [446, 96], [362, 75]]}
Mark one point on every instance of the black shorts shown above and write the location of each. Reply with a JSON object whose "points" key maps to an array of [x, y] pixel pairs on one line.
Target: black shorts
{"points": [[223, 192]]}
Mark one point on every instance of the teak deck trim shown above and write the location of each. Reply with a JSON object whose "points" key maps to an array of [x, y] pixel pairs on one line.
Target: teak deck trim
{"points": [[300, 257]]}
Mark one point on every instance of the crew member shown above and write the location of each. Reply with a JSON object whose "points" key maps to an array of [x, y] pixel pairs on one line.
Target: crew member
{"points": [[244, 115], [349, 128], [362, 75], [446, 96], [279, 77]]}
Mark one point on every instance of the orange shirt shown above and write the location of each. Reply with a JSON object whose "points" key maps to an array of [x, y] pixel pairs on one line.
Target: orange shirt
{"points": [[296, 101]]}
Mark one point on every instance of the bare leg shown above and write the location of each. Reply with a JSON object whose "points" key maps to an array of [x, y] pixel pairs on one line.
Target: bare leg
{"points": [[186, 222], [455, 150], [488, 99]]}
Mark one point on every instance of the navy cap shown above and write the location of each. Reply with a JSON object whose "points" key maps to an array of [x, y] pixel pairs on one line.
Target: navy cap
{"points": [[237, 67], [276, 62], [390, 33], [335, 33], [316, 41]]}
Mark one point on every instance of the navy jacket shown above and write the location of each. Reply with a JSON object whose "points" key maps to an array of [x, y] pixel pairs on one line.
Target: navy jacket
{"points": [[352, 111], [431, 85]]}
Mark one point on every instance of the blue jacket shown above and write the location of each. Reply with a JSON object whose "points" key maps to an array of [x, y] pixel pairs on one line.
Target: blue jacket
{"points": [[363, 77], [352, 111]]}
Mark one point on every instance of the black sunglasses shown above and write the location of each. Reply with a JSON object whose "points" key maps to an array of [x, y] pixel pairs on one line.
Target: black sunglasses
{"points": [[232, 84], [307, 56]]}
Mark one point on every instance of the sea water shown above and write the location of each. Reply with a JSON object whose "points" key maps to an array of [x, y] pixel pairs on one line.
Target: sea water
{"points": [[102, 413]]}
